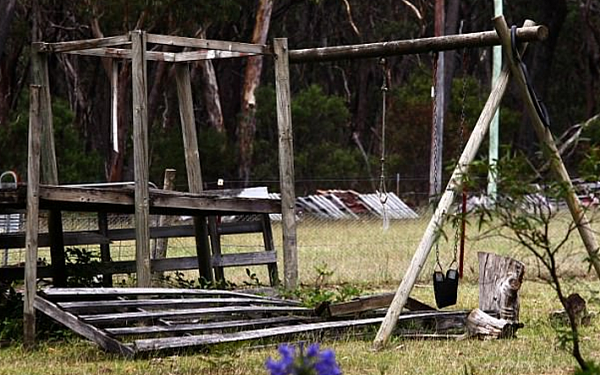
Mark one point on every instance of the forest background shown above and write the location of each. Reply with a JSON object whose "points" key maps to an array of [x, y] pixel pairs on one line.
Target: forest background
{"points": [[336, 107]]}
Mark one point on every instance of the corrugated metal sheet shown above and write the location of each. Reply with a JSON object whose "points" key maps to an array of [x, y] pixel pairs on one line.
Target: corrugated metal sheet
{"points": [[396, 209]]}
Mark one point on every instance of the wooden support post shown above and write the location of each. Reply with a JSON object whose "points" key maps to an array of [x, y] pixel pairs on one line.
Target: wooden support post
{"points": [[104, 247], [32, 225], [286, 162], [267, 233], [551, 151], [500, 279], [412, 46], [140, 158], [39, 72], [192, 163], [57, 249], [160, 247], [422, 252]]}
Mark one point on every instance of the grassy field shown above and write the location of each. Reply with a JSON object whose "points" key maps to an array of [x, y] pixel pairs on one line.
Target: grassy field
{"points": [[360, 254]]}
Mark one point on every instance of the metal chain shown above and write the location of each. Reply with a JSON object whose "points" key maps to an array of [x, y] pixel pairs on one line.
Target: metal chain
{"points": [[435, 149], [382, 188]]}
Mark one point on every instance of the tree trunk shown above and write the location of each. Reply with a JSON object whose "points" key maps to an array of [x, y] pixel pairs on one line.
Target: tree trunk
{"points": [[247, 125]]}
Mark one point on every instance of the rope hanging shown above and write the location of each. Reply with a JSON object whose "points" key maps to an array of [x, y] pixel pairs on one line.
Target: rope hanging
{"points": [[382, 192]]}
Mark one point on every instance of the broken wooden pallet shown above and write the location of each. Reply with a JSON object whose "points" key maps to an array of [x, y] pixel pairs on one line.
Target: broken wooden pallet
{"points": [[130, 321]]}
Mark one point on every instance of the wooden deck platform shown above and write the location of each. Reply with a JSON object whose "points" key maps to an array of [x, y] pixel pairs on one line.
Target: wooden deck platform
{"points": [[121, 200]]}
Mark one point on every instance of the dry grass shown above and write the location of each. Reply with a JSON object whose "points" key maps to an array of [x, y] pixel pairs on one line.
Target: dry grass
{"points": [[361, 254]]}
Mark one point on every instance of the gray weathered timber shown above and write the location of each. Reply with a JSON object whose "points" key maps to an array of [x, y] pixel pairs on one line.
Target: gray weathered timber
{"points": [[228, 324], [160, 246], [480, 324], [140, 157], [96, 307], [88, 331], [550, 150], [286, 163], [55, 293], [209, 339], [82, 44], [208, 44], [32, 225], [39, 75], [118, 318], [412, 46], [368, 303], [500, 279], [270, 247], [424, 248], [244, 259], [192, 163]]}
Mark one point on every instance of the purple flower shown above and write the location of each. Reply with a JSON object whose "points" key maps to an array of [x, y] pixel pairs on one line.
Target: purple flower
{"points": [[298, 362]]}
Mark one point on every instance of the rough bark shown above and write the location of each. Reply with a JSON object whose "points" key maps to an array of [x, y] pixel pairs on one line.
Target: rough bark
{"points": [[252, 75]]}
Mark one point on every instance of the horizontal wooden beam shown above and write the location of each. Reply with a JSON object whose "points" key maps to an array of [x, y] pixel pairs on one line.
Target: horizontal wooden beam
{"points": [[180, 41], [78, 45], [413, 46], [124, 53], [121, 200]]}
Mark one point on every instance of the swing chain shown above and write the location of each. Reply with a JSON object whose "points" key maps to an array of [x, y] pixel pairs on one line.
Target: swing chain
{"points": [[384, 89]]}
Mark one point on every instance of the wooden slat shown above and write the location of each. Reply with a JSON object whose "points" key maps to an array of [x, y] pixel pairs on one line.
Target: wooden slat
{"points": [[208, 44], [373, 302], [244, 259], [117, 318], [208, 55], [184, 328], [121, 200], [82, 44], [17, 240], [90, 332], [95, 307], [209, 339], [117, 292], [125, 53]]}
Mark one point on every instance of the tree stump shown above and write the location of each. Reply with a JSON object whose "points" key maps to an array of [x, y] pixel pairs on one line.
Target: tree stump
{"points": [[499, 281]]}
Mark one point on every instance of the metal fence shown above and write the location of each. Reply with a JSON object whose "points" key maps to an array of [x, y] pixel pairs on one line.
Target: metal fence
{"points": [[344, 237]]}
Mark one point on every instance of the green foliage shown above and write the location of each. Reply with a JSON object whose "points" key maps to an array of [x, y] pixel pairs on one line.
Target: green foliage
{"points": [[593, 369], [318, 293], [88, 276], [76, 163], [321, 134]]}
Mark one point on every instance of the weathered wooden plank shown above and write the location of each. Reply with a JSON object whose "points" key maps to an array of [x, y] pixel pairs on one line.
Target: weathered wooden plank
{"points": [[124, 53], [121, 200], [228, 324], [104, 247], [116, 292], [82, 44], [208, 44], [160, 247], [368, 303], [96, 307], [208, 339], [90, 332], [32, 224], [17, 240], [286, 163], [412, 46], [117, 318], [140, 158], [500, 279], [270, 247], [208, 55], [244, 259]]}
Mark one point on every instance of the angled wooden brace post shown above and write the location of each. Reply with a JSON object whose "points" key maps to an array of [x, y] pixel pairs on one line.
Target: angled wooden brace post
{"points": [[422, 252], [549, 148]]}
